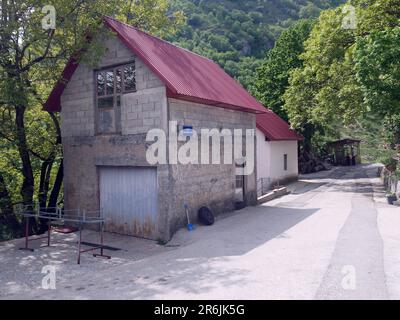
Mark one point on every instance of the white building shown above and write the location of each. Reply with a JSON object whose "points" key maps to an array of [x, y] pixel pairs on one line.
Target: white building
{"points": [[277, 151]]}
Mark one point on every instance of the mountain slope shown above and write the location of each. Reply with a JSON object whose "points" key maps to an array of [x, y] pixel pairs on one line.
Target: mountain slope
{"points": [[237, 33]]}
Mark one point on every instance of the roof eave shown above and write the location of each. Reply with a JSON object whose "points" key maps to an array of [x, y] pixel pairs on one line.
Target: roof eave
{"points": [[214, 103], [53, 102], [270, 137]]}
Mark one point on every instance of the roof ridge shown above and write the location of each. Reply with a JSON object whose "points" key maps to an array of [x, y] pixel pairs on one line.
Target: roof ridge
{"points": [[160, 39]]}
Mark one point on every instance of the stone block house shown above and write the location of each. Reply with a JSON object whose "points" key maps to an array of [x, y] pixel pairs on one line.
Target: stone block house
{"points": [[143, 83], [277, 151]]}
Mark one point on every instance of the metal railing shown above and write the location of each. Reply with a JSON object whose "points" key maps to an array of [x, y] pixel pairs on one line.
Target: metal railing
{"points": [[58, 215]]}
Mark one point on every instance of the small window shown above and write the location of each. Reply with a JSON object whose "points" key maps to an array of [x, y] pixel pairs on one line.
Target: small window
{"points": [[129, 78], [112, 83], [285, 162]]}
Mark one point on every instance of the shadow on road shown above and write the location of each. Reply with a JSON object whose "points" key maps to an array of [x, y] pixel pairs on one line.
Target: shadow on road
{"points": [[244, 231], [203, 262]]}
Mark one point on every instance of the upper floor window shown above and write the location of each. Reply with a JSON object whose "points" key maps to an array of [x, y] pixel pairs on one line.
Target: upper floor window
{"points": [[111, 83]]}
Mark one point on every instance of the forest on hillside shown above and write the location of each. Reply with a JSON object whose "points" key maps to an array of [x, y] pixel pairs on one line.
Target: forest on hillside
{"points": [[236, 34]]}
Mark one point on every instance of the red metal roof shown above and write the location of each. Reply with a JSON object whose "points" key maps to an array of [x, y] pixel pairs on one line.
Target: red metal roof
{"points": [[53, 102], [187, 76], [275, 128]]}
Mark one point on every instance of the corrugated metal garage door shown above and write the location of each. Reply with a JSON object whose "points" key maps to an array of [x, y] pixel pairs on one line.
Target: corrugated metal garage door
{"points": [[128, 200]]}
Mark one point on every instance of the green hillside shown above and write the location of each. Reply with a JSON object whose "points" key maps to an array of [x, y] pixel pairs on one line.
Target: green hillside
{"points": [[236, 33]]}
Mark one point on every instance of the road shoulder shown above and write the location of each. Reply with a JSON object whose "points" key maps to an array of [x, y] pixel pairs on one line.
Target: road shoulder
{"points": [[389, 228]]}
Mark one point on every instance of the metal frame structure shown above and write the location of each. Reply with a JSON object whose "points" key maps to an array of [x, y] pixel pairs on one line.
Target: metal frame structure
{"points": [[81, 218]]}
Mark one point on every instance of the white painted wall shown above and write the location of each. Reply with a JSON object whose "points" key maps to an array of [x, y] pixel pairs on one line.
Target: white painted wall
{"points": [[270, 158], [278, 149], [263, 156]]}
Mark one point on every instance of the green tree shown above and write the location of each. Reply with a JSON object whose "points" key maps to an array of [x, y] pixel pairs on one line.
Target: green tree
{"points": [[377, 65], [326, 79], [346, 73], [31, 59], [272, 78]]}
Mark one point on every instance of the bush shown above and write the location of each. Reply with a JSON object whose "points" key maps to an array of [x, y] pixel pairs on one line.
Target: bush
{"points": [[389, 161], [5, 232]]}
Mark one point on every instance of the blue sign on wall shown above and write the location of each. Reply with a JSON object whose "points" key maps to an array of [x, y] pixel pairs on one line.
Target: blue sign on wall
{"points": [[187, 131]]}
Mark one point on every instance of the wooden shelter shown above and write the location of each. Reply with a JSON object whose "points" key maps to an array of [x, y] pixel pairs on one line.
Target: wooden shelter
{"points": [[345, 152]]}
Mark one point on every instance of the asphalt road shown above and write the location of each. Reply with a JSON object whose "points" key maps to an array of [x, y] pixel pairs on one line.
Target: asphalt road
{"points": [[332, 238], [359, 249]]}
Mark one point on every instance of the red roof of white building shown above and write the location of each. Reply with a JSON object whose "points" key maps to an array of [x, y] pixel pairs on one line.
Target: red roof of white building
{"points": [[275, 128], [187, 76]]}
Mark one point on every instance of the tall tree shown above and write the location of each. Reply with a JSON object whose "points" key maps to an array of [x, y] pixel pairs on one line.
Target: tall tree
{"points": [[272, 77], [346, 72], [33, 50], [377, 66]]}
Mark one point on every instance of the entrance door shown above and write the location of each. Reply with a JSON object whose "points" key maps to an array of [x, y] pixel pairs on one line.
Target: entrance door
{"points": [[128, 200]]}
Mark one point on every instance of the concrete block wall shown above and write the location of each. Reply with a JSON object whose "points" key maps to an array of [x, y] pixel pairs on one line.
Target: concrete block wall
{"points": [[144, 110], [140, 111], [78, 114], [85, 150], [85, 155], [205, 116], [201, 184]]}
